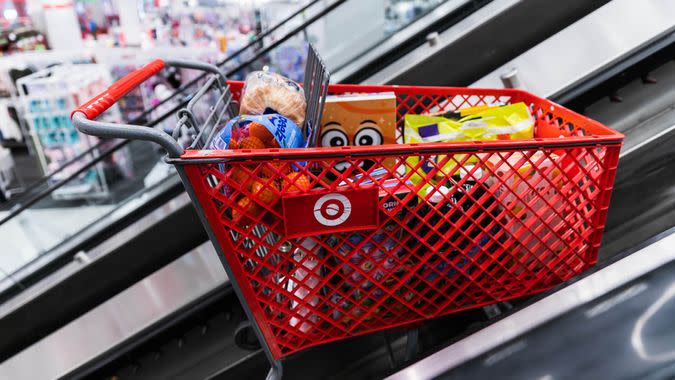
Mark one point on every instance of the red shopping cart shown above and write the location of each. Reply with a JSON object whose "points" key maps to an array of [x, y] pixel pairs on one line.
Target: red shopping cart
{"points": [[323, 244]]}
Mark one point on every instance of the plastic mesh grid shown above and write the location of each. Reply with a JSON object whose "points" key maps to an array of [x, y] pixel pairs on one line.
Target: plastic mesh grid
{"points": [[510, 222]]}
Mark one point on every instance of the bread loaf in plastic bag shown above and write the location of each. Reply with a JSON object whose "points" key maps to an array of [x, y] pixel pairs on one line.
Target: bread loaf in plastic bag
{"points": [[268, 93]]}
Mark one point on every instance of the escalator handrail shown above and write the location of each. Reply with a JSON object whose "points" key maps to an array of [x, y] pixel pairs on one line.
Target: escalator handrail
{"points": [[20, 207], [141, 118]]}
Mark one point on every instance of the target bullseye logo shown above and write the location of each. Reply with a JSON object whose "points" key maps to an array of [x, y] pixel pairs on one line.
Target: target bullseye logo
{"points": [[332, 209], [312, 214]]}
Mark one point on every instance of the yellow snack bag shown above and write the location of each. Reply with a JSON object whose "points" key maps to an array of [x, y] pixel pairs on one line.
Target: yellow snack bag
{"points": [[484, 123], [511, 122]]}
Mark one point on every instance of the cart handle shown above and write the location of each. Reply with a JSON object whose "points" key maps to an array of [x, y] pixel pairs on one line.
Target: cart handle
{"points": [[101, 102], [84, 116]]}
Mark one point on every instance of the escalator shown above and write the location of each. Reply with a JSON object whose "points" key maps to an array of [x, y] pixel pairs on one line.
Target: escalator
{"points": [[199, 328], [625, 84], [640, 105]]}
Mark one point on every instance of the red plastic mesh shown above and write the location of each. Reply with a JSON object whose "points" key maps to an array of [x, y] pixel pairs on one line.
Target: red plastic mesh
{"points": [[515, 221]]}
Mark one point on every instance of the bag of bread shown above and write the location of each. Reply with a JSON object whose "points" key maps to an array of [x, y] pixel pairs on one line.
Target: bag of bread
{"points": [[271, 93]]}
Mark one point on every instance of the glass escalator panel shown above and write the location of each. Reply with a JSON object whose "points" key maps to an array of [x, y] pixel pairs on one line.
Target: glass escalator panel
{"points": [[54, 223]]}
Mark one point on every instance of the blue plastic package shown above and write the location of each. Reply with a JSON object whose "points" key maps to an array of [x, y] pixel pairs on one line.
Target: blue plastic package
{"points": [[285, 132]]}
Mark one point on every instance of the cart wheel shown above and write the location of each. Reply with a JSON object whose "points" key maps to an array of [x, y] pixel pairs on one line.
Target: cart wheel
{"points": [[245, 338]]}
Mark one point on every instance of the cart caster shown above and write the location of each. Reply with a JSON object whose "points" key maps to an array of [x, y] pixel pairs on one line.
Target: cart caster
{"points": [[245, 338]]}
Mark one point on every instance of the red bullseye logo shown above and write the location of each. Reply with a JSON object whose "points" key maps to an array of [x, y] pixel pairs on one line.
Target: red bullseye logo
{"points": [[332, 209]]}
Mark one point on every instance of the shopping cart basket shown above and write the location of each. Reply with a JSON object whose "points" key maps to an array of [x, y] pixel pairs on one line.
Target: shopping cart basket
{"points": [[323, 244]]}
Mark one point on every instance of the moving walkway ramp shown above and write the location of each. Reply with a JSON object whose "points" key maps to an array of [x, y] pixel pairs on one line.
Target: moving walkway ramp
{"points": [[192, 304]]}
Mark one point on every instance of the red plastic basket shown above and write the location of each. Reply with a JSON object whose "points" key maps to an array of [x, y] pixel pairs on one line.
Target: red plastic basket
{"points": [[353, 252]]}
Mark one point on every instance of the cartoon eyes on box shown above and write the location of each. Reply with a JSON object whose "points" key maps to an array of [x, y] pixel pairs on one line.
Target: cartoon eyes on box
{"points": [[366, 133]]}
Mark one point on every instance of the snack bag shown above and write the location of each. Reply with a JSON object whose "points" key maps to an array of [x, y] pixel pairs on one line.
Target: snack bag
{"points": [[508, 122], [259, 132], [372, 260], [271, 93]]}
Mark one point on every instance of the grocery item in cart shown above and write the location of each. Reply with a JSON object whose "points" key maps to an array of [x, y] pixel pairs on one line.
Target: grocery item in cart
{"points": [[259, 132], [529, 185], [271, 93], [360, 120], [510, 122], [461, 204], [307, 272], [371, 260], [258, 190]]}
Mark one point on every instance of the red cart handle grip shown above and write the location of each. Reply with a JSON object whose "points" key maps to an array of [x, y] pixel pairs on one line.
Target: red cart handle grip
{"points": [[101, 102]]}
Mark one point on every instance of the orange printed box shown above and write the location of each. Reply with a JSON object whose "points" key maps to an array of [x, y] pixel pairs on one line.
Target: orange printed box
{"points": [[359, 119]]}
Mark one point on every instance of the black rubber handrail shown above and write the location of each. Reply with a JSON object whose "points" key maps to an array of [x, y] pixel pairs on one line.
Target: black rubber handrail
{"points": [[20, 207]]}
